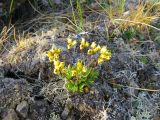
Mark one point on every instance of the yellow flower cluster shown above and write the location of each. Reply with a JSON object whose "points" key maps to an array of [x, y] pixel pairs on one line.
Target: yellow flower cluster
{"points": [[94, 48], [79, 68], [84, 44], [53, 54], [104, 55], [59, 67], [71, 43]]}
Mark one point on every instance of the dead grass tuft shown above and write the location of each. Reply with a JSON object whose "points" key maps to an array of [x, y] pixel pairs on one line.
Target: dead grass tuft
{"points": [[5, 34], [140, 16], [143, 14], [22, 45]]}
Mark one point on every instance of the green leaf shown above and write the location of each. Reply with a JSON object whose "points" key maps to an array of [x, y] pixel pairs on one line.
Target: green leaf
{"points": [[81, 86], [130, 33]]}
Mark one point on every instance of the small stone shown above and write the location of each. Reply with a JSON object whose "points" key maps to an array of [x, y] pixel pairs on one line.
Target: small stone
{"points": [[65, 113], [11, 115], [22, 109], [67, 110]]}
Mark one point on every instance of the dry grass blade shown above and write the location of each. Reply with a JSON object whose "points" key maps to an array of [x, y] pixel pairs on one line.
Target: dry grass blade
{"points": [[4, 35], [140, 23], [131, 87]]}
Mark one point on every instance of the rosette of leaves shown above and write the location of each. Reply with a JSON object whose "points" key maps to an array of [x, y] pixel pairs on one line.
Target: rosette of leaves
{"points": [[81, 80]]}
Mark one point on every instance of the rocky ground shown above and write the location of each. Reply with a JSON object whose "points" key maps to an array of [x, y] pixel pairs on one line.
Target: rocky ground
{"points": [[128, 87]]}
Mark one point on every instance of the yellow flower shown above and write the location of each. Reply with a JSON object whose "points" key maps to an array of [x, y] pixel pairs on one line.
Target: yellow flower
{"points": [[56, 63], [81, 47], [74, 42], [103, 50], [84, 69], [93, 45], [50, 54], [106, 55], [83, 41], [51, 59], [74, 73], [84, 44], [100, 60], [61, 65], [53, 54], [103, 56], [56, 71], [94, 49], [69, 47], [57, 50], [90, 52], [79, 65], [56, 56], [69, 40], [71, 43], [98, 48]]}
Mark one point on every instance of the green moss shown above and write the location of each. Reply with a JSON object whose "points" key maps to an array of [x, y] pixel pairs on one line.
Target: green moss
{"points": [[144, 60]]}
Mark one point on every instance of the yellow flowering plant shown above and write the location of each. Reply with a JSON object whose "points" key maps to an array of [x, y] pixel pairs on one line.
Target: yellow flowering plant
{"points": [[81, 74]]}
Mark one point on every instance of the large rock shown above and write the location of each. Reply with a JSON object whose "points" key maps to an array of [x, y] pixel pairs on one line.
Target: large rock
{"points": [[22, 109], [11, 115]]}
